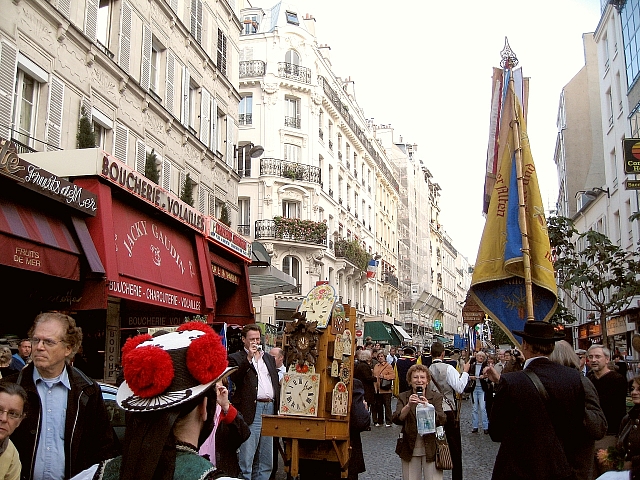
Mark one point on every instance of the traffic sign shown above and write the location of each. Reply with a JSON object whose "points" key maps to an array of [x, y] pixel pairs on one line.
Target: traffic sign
{"points": [[359, 333]]}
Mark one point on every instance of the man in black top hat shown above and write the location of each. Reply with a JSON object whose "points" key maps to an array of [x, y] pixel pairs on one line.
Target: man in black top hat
{"points": [[403, 364], [539, 414]]}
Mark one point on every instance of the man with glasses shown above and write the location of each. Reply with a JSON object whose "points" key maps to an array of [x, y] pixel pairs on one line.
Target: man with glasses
{"points": [[12, 401], [66, 428]]}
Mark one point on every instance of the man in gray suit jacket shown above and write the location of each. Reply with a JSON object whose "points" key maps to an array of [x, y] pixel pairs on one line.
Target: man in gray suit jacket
{"points": [[542, 439], [257, 393]]}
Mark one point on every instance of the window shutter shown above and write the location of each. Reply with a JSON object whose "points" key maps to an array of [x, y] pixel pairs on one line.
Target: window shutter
{"points": [[145, 73], [91, 20], [202, 194], [54, 113], [214, 125], [205, 122], [125, 37], [174, 5], [121, 142], [64, 6], [166, 175], [141, 156], [212, 204], [85, 107], [222, 52], [182, 176], [199, 21], [231, 130], [8, 66], [169, 93], [184, 112]]}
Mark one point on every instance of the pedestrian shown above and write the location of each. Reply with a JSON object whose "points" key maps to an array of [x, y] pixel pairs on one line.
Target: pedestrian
{"points": [[392, 356], [170, 397], [564, 354], [364, 373], [359, 422], [417, 452], [257, 393], [450, 383], [628, 440], [382, 408], [13, 399], [476, 369], [582, 356], [66, 428], [538, 414], [22, 356], [406, 361], [5, 362], [278, 354], [612, 392]]}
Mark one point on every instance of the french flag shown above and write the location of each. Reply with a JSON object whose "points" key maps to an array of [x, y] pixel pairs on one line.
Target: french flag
{"points": [[371, 268]]}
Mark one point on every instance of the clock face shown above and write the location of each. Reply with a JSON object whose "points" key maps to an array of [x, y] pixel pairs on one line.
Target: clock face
{"points": [[345, 374], [340, 400], [338, 319], [319, 304], [299, 395]]}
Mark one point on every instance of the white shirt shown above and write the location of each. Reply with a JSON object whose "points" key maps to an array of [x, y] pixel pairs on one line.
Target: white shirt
{"points": [[454, 379], [265, 388]]}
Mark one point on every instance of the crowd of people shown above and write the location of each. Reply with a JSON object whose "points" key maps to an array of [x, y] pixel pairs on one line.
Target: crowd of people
{"points": [[193, 411]]}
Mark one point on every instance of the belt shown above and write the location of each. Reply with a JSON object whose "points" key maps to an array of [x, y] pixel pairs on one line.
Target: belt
{"points": [[265, 400]]}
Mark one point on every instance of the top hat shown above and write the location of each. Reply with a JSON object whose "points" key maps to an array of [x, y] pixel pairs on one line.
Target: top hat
{"points": [[409, 350], [171, 369], [540, 332]]}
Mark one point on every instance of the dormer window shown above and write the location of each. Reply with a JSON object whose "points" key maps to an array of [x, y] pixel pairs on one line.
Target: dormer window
{"points": [[292, 18], [250, 23]]}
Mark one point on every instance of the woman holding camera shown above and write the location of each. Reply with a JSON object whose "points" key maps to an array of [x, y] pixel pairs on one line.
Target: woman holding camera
{"points": [[417, 452]]}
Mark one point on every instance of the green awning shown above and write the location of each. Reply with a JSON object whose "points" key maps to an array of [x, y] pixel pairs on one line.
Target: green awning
{"points": [[381, 332], [443, 340]]}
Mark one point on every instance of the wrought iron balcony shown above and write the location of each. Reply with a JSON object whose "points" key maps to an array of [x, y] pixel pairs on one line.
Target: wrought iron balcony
{"points": [[293, 230], [390, 279], [104, 49], [292, 170], [294, 72], [330, 145], [244, 230], [252, 68], [339, 155], [321, 134], [331, 192], [245, 119], [21, 147], [293, 122], [348, 164], [244, 172]]}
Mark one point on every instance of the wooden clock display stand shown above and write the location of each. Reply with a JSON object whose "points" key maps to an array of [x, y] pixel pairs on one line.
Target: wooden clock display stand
{"points": [[325, 436]]}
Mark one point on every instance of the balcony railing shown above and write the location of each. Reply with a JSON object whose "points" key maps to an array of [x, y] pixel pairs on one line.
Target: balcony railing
{"points": [[310, 232], [293, 122], [104, 49], [294, 72], [330, 145], [292, 170], [321, 134], [21, 147], [339, 155], [246, 172], [331, 192], [390, 279], [245, 119], [252, 68], [244, 230]]}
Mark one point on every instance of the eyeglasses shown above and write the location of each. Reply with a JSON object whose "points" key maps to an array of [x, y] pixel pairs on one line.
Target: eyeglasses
{"points": [[46, 341], [12, 414]]}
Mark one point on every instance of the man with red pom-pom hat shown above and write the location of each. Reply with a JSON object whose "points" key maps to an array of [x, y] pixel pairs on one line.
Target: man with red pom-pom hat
{"points": [[170, 395]]}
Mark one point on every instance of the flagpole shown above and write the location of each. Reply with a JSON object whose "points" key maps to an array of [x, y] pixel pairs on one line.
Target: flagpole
{"points": [[509, 60]]}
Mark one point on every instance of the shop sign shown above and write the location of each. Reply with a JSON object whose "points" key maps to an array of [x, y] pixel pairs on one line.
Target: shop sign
{"points": [[112, 351], [225, 274], [46, 183], [583, 331], [144, 321], [219, 232], [616, 325], [594, 329], [631, 147], [123, 176], [142, 292]]}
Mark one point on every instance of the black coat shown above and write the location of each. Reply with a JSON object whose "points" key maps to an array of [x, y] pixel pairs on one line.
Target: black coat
{"points": [[364, 373], [245, 381], [533, 441], [88, 436], [629, 440]]}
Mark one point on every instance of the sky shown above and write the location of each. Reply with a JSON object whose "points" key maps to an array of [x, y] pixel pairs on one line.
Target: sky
{"points": [[425, 68]]}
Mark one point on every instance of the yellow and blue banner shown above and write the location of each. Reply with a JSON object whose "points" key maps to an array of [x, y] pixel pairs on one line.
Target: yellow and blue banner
{"points": [[498, 279]]}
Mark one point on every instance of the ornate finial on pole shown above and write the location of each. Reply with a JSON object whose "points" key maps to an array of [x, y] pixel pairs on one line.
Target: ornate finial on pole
{"points": [[509, 59]]}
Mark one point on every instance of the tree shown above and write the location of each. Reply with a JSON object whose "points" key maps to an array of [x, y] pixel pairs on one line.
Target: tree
{"points": [[590, 267], [224, 215], [187, 191], [85, 136], [151, 167]]}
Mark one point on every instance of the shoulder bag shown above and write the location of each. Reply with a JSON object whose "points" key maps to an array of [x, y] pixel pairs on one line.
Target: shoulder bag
{"points": [[443, 455]]}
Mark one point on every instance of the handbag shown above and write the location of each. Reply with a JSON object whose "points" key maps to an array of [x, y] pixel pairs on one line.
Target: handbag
{"points": [[471, 385], [385, 384], [443, 455]]}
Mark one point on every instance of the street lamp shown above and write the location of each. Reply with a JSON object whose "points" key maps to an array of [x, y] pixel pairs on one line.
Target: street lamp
{"points": [[254, 150], [248, 151]]}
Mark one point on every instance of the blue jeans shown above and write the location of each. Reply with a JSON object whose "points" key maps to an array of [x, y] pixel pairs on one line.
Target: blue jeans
{"points": [[478, 403], [255, 456]]}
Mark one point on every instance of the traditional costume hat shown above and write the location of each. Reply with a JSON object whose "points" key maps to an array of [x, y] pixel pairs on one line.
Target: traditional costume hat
{"points": [[170, 369], [539, 332]]}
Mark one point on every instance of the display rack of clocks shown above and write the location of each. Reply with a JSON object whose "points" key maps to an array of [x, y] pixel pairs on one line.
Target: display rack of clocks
{"points": [[338, 319], [303, 340], [299, 394], [340, 400], [318, 304]]}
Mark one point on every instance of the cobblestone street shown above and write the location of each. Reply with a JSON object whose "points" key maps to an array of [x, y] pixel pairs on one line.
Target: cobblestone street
{"points": [[478, 452]]}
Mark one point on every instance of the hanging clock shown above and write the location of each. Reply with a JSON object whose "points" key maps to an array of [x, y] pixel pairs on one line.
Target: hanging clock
{"points": [[303, 339], [345, 373], [338, 318], [337, 347], [318, 304], [335, 369], [340, 400], [299, 394], [347, 343]]}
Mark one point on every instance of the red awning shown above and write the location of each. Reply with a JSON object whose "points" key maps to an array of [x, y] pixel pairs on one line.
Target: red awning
{"points": [[34, 241]]}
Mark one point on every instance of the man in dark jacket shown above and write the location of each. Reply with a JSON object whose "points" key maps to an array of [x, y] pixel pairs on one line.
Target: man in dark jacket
{"points": [[541, 438], [53, 444], [257, 393]]}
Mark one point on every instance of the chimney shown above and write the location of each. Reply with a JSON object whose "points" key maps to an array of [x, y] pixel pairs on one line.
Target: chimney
{"points": [[325, 51], [310, 24]]}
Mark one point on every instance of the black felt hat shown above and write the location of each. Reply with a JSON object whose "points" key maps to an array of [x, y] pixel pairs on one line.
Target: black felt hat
{"points": [[539, 332]]}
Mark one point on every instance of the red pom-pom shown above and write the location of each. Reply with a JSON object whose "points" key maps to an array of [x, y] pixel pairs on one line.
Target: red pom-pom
{"points": [[203, 327], [132, 343], [206, 357], [148, 371]]}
